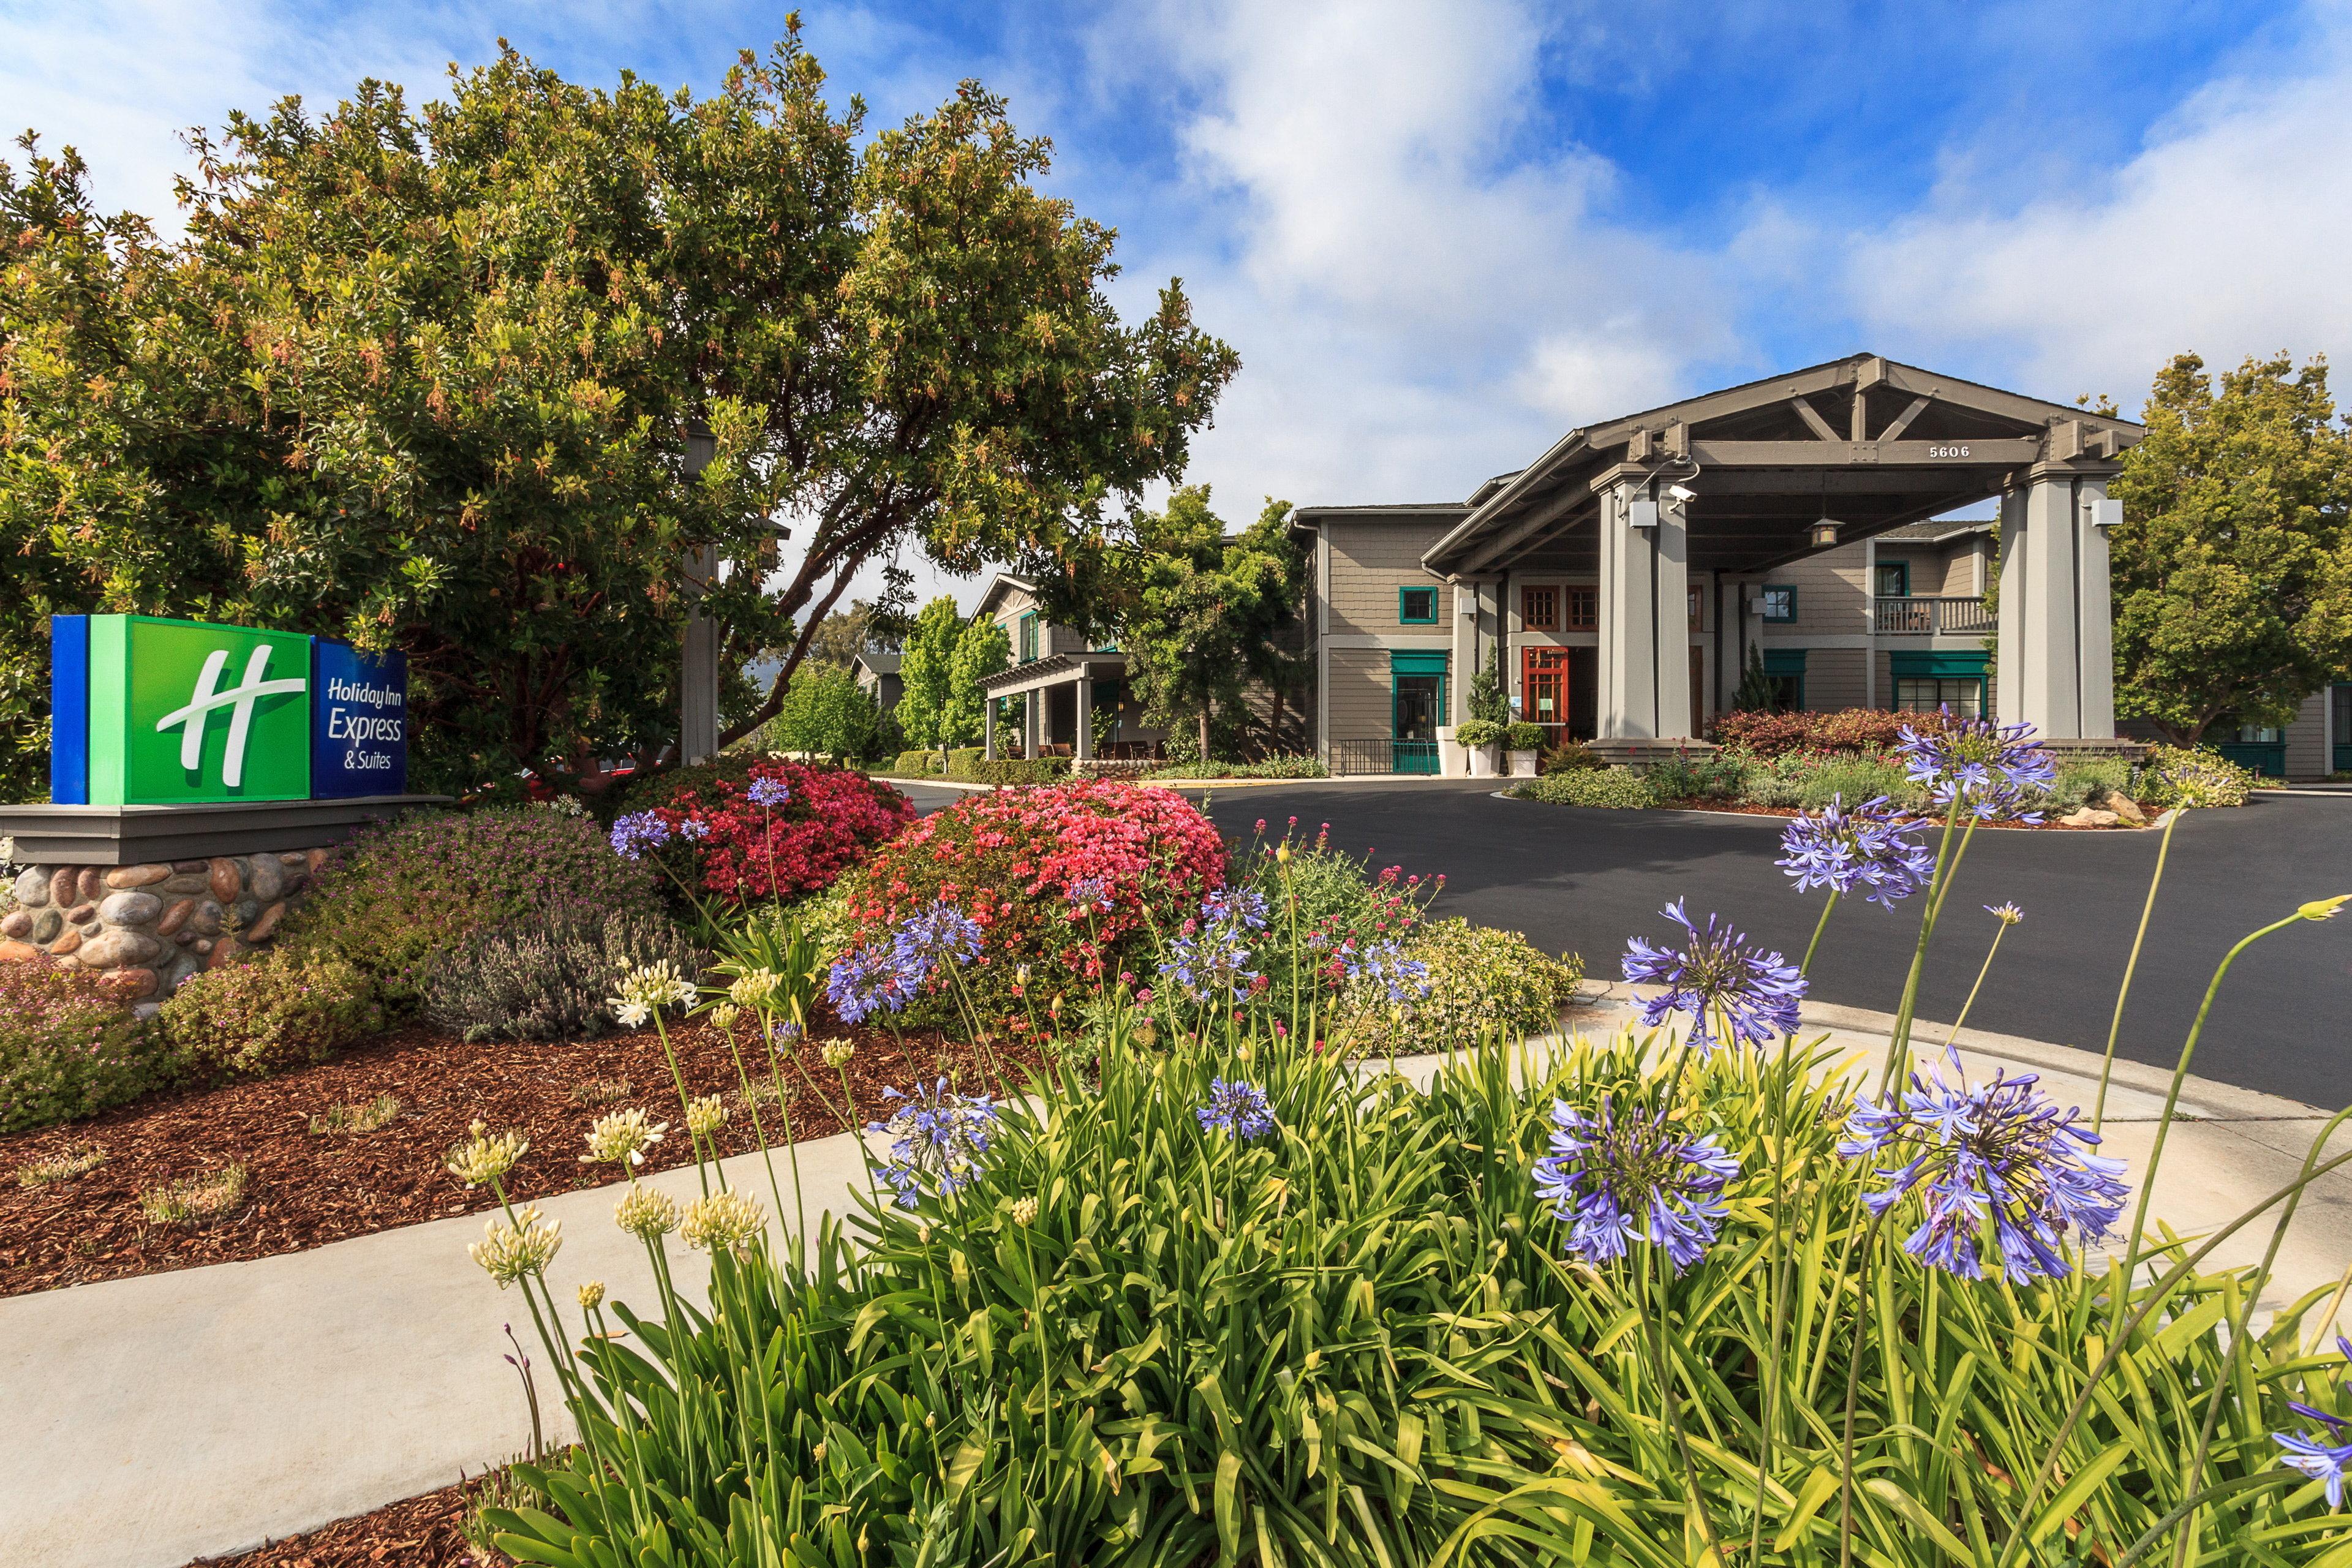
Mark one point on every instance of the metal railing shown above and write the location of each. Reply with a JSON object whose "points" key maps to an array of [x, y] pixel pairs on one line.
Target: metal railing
{"points": [[1383, 757], [1922, 617]]}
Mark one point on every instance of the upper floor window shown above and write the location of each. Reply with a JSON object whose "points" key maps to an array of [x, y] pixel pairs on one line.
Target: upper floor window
{"points": [[1417, 606], [1540, 609], [1583, 610], [1028, 638], [1779, 600], [1894, 580]]}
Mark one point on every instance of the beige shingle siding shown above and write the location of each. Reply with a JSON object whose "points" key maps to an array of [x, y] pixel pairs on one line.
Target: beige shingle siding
{"points": [[2306, 739], [1831, 596], [1370, 560], [1361, 694], [1833, 678]]}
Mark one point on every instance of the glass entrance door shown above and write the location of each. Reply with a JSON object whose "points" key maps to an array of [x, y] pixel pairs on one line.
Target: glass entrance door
{"points": [[1543, 690], [1417, 703]]}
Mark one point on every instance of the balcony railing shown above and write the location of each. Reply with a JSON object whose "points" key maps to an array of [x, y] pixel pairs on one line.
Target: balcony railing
{"points": [[1925, 617]]}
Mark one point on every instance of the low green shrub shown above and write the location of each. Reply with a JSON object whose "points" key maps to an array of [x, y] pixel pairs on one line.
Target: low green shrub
{"points": [[285, 1009], [2191, 776], [1015, 771], [69, 1047], [917, 765], [1807, 781], [405, 895], [1709, 775], [2086, 780], [1617, 789], [1286, 767], [1571, 756], [549, 974], [962, 757], [1320, 899], [1777, 733], [1524, 737], [1485, 985]]}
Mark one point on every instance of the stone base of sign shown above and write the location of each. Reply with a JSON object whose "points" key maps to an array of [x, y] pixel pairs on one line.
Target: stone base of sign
{"points": [[148, 895], [147, 927], [126, 835]]}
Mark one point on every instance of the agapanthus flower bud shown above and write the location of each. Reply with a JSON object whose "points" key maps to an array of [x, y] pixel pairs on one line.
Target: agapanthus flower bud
{"points": [[510, 1249], [484, 1157], [622, 1138], [646, 1214], [725, 1016], [705, 1115], [837, 1053], [721, 1222], [1025, 1211], [592, 1294]]}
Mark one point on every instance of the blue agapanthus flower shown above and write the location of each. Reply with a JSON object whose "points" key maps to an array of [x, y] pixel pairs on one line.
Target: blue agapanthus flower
{"points": [[1384, 964], [636, 832], [1211, 966], [937, 1139], [1091, 895], [768, 794], [1990, 769], [1238, 1109], [1868, 847], [694, 827], [1236, 906], [864, 981], [1719, 980], [1611, 1178], [1998, 1153], [2315, 1453], [940, 931]]}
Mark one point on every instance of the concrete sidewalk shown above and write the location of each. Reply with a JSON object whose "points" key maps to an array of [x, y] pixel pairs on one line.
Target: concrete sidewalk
{"points": [[196, 1412]]}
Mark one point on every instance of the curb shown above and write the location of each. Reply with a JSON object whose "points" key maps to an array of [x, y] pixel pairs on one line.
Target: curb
{"points": [[1782, 822]]}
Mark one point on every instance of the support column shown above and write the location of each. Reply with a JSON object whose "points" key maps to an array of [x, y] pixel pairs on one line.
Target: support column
{"points": [[697, 690], [2056, 660], [1033, 718], [1645, 663], [1466, 651], [1083, 745], [988, 727]]}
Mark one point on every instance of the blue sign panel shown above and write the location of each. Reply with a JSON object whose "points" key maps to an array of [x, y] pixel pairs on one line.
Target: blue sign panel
{"points": [[359, 721], [69, 710]]}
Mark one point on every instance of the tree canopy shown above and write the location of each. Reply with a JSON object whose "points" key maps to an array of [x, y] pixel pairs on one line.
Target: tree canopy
{"points": [[981, 649], [924, 671], [425, 378], [1198, 612], [2232, 568]]}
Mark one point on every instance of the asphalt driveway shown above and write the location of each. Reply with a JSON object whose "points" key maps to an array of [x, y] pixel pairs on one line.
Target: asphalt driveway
{"points": [[1583, 880]]}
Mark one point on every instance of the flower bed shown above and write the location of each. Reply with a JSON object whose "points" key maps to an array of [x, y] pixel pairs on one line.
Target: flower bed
{"points": [[1061, 881], [740, 830]]}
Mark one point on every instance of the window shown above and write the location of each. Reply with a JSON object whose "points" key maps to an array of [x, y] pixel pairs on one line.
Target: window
{"points": [[1784, 669], [1694, 617], [1894, 580], [1540, 609], [1779, 602], [1417, 606], [1028, 638], [2339, 702], [1583, 610], [1963, 694]]}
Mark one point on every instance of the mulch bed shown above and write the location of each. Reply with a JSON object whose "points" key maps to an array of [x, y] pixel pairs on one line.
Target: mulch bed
{"points": [[306, 1188], [421, 1532]]}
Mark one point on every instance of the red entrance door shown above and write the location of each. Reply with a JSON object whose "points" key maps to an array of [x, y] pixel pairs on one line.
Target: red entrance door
{"points": [[1543, 690]]}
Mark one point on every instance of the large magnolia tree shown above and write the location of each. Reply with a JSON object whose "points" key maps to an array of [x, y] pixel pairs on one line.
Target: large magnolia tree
{"points": [[425, 378], [2232, 569]]}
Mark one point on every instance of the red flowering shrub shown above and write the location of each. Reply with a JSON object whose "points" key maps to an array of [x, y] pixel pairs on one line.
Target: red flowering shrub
{"points": [[1010, 859], [738, 851], [1847, 730]]}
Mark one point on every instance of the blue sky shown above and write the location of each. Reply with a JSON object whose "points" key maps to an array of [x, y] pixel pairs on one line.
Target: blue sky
{"points": [[1442, 232]]}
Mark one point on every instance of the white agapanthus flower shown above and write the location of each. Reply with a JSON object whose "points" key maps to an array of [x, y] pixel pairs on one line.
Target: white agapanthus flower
{"points": [[511, 1250], [622, 1139], [485, 1156], [705, 1115], [646, 990], [646, 1214], [722, 1222]]}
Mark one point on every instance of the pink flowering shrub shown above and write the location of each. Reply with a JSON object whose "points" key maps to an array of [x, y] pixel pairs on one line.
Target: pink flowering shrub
{"points": [[69, 1048], [1066, 881], [728, 846]]}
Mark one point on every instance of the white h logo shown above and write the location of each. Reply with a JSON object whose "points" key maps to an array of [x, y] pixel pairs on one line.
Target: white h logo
{"points": [[240, 698]]}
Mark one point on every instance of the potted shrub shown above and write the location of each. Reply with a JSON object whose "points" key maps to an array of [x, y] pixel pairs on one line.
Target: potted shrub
{"points": [[1524, 742], [1479, 737]]}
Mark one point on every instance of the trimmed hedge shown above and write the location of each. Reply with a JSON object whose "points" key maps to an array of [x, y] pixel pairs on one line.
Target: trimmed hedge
{"points": [[1612, 789], [1847, 730]]}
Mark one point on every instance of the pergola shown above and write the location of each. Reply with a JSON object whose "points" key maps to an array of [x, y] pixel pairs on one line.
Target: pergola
{"points": [[1741, 480]]}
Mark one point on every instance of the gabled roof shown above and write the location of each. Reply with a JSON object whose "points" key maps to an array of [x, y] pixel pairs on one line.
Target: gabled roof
{"points": [[879, 661], [1003, 583]]}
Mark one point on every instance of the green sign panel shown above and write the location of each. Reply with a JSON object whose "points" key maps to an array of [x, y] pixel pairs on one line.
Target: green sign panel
{"points": [[181, 712]]}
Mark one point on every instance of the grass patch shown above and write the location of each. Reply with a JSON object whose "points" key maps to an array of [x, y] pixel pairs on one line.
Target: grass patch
{"points": [[65, 1167], [601, 1092], [355, 1119], [199, 1199]]}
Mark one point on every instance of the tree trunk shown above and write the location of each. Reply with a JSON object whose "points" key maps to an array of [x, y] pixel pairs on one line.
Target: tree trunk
{"points": [[1204, 730]]}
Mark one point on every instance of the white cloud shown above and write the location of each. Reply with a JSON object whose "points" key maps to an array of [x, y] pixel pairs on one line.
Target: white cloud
{"points": [[1420, 299], [2226, 234]]}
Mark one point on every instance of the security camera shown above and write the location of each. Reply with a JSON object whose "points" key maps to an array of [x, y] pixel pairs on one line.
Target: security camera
{"points": [[1682, 494]]}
